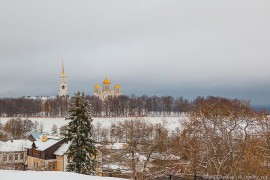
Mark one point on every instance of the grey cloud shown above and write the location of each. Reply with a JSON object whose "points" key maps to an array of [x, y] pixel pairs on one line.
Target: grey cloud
{"points": [[187, 48]]}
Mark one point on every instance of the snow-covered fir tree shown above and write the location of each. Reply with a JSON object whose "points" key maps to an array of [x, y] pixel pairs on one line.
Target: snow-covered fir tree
{"points": [[82, 152]]}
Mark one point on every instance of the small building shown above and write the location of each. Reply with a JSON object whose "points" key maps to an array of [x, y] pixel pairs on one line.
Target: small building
{"points": [[49, 153], [41, 154], [13, 154]]}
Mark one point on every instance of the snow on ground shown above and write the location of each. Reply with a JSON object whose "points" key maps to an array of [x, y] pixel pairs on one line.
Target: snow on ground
{"points": [[116, 146], [45, 175], [170, 122]]}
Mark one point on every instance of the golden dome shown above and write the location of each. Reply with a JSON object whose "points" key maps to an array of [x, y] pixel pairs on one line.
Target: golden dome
{"points": [[117, 86], [97, 86], [106, 81]]}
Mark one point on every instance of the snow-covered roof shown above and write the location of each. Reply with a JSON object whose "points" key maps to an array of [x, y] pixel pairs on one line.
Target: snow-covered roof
{"points": [[117, 146], [15, 145], [161, 156], [113, 166], [62, 149], [44, 175], [41, 146], [36, 135], [140, 157], [123, 169]]}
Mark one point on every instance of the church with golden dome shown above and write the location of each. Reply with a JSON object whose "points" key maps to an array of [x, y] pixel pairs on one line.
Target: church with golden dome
{"points": [[106, 90]]}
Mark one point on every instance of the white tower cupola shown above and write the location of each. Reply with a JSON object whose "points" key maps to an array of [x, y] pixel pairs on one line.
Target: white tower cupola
{"points": [[63, 85]]}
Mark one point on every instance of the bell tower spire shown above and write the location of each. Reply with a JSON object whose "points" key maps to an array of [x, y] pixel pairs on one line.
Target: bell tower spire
{"points": [[63, 69], [63, 84]]}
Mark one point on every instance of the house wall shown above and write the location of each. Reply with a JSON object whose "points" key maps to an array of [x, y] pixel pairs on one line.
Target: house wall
{"points": [[41, 164], [99, 163], [10, 159], [62, 162], [13, 157], [65, 162], [59, 163]]}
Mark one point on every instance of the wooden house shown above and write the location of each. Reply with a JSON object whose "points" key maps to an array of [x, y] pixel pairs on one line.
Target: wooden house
{"points": [[41, 154], [13, 154]]}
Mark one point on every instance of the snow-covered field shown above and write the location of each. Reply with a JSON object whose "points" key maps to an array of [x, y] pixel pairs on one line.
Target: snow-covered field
{"points": [[47, 175], [170, 122]]}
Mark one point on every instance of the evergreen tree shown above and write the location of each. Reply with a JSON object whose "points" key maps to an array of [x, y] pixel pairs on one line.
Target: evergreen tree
{"points": [[82, 152]]}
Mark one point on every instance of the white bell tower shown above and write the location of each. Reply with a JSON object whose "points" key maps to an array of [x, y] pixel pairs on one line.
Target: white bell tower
{"points": [[63, 84]]}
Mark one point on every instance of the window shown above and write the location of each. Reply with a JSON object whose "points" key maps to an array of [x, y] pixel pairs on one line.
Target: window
{"points": [[5, 158], [34, 153], [10, 157], [35, 164], [21, 156], [52, 165], [16, 157]]}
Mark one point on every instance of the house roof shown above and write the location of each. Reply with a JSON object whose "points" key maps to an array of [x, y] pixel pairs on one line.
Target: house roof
{"points": [[35, 135], [62, 149], [15, 145], [117, 146], [41, 146]]}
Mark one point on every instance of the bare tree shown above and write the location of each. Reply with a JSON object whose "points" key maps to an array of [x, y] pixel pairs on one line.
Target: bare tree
{"points": [[63, 129], [41, 127], [144, 142], [36, 126], [54, 130], [17, 128], [219, 129]]}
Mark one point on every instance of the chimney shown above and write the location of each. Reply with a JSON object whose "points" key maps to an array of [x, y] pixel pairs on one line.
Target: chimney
{"points": [[44, 138]]}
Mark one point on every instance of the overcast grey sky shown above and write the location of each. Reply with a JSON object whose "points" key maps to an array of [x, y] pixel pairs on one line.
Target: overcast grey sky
{"points": [[172, 47]]}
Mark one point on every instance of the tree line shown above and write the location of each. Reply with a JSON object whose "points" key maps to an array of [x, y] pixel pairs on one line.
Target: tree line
{"points": [[33, 107], [121, 106]]}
